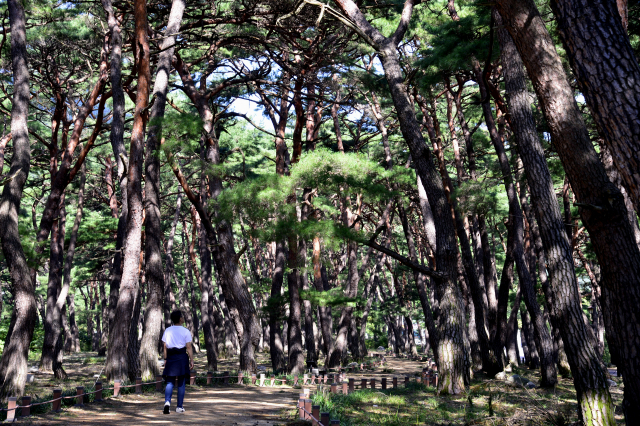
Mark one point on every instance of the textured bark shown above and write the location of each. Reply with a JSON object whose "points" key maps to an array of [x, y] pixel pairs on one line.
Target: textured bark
{"points": [[612, 234], [608, 75], [543, 341], [51, 321], [527, 331], [117, 363], [153, 242], [13, 365], [296, 354], [119, 151], [276, 346]]}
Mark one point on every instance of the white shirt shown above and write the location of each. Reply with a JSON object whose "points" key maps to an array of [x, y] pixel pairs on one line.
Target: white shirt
{"points": [[176, 337]]}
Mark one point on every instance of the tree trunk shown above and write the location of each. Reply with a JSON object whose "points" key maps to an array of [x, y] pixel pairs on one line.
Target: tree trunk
{"points": [[203, 278], [321, 283], [51, 321], [296, 354], [592, 32], [543, 341], [512, 331], [612, 234], [155, 278], [276, 346], [533, 359], [72, 340], [117, 365], [13, 365]]}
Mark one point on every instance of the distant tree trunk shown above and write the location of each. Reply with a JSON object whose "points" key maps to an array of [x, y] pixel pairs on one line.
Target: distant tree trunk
{"points": [[296, 355], [276, 346], [72, 340], [321, 283], [544, 344], [51, 321], [203, 278], [117, 365], [512, 331], [610, 231], [340, 347], [527, 335], [169, 273], [13, 365]]}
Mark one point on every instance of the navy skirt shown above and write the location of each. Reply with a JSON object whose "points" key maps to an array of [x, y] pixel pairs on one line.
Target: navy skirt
{"points": [[177, 364]]}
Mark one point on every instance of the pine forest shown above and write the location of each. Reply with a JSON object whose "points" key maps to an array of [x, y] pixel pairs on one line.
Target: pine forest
{"points": [[313, 184]]}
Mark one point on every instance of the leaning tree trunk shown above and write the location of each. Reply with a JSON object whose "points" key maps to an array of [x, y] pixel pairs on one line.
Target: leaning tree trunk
{"points": [[153, 231], [117, 365], [13, 365], [592, 32], [321, 283], [544, 344], [612, 234]]}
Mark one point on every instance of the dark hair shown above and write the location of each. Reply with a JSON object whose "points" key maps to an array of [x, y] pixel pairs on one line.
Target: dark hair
{"points": [[175, 317]]}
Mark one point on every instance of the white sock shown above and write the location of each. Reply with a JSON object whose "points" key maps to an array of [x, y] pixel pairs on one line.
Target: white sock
{"points": [[167, 403]]}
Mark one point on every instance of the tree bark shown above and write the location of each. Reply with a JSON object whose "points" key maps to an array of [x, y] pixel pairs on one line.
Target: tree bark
{"points": [[592, 32], [119, 152], [612, 234], [543, 341], [276, 346], [13, 365], [153, 241], [117, 365]]}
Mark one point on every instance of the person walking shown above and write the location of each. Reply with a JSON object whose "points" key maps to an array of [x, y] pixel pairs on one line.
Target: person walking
{"points": [[178, 360]]}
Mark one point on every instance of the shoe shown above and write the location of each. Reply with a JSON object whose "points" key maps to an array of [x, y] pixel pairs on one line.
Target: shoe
{"points": [[167, 405], [180, 410]]}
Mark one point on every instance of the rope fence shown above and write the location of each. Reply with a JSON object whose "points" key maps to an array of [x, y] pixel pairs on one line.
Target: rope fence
{"points": [[225, 378]]}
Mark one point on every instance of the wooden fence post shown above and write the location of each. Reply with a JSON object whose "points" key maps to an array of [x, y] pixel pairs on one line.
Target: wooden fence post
{"points": [[363, 383], [192, 377], [324, 419], [406, 380], [345, 388], [395, 382], [11, 409], [138, 385], [384, 383], [80, 396], [307, 407], [301, 406], [26, 410], [240, 377], [352, 385], [158, 383], [98, 397], [116, 388], [315, 412], [334, 388], [55, 405], [209, 377]]}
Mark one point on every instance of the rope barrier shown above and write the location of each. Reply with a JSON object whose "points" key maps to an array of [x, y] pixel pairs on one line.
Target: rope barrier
{"points": [[209, 377]]}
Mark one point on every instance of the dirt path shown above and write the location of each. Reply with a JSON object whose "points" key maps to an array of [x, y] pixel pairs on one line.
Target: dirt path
{"points": [[225, 406]]}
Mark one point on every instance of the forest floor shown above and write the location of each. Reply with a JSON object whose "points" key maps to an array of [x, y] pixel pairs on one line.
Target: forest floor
{"points": [[487, 402]]}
